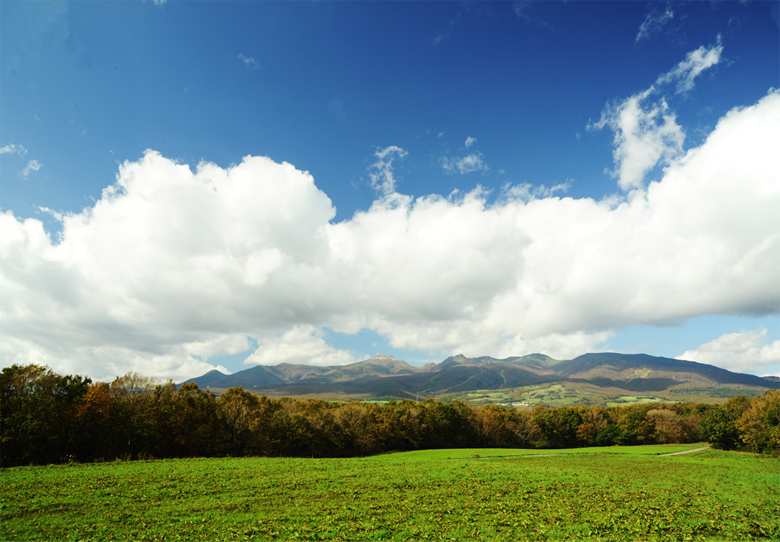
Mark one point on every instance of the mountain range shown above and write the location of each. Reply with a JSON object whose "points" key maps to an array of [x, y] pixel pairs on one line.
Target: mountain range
{"points": [[600, 375]]}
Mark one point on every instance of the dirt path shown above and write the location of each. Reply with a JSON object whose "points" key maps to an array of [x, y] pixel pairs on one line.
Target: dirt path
{"points": [[686, 451]]}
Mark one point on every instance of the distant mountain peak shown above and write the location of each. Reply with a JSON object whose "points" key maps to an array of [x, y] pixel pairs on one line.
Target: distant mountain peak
{"points": [[381, 357]]}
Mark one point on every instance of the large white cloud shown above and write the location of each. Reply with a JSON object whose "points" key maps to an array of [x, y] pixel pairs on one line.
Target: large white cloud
{"points": [[300, 345], [743, 351], [166, 261], [173, 266]]}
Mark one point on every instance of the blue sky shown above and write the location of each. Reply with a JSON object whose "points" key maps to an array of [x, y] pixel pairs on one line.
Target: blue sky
{"points": [[486, 178]]}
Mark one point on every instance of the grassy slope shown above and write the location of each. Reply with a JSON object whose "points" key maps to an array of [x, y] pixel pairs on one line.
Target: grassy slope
{"points": [[580, 393], [591, 494], [516, 452]]}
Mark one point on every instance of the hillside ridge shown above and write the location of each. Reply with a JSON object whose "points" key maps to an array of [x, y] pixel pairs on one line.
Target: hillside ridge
{"points": [[386, 377]]}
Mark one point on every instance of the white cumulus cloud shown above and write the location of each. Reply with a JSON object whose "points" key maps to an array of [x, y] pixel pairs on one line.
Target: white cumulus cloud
{"points": [[645, 134], [173, 266], [646, 130], [470, 141], [300, 345], [743, 351]]}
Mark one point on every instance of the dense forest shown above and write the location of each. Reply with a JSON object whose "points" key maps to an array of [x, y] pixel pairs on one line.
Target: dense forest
{"points": [[48, 418]]}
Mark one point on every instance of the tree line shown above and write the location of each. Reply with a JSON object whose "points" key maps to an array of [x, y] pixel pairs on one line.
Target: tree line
{"points": [[47, 418]]}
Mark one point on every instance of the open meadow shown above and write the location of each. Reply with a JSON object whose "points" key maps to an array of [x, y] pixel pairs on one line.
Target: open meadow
{"points": [[628, 493]]}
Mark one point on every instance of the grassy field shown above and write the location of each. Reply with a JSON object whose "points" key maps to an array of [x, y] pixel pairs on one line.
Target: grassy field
{"points": [[627, 400], [585, 494], [574, 394]]}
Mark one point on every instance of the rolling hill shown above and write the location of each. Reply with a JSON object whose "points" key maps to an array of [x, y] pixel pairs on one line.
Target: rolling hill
{"points": [[587, 379]]}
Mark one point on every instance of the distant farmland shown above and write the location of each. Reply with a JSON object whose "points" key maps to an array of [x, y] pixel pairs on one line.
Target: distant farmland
{"points": [[490, 494]]}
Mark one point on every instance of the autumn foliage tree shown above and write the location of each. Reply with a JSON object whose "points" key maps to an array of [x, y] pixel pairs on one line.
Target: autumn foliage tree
{"points": [[759, 425], [39, 414], [48, 418]]}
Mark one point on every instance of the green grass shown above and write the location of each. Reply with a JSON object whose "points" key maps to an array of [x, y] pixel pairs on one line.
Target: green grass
{"points": [[513, 452], [713, 394], [585, 494], [628, 400], [486, 397], [575, 394]]}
